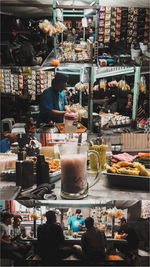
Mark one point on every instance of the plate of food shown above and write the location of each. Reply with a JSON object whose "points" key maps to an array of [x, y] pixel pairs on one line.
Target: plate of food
{"points": [[78, 49], [54, 165], [80, 233], [128, 175], [54, 169]]}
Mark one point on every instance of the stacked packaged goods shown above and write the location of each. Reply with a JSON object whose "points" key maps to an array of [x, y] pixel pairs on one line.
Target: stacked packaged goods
{"points": [[118, 24], [32, 84], [129, 25], [107, 25], [113, 23], [124, 24], [5, 76], [101, 24], [2, 88]]}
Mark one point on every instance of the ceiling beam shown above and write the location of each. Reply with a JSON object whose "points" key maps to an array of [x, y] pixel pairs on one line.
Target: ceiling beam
{"points": [[75, 7]]}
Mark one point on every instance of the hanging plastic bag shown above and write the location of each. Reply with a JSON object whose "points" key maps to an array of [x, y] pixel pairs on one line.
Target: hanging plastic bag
{"points": [[142, 84]]}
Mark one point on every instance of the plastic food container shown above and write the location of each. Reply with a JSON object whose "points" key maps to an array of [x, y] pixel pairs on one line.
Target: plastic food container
{"points": [[135, 53], [71, 122], [55, 62]]}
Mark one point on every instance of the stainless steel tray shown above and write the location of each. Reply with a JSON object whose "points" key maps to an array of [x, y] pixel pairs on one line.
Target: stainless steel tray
{"points": [[128, 181]]}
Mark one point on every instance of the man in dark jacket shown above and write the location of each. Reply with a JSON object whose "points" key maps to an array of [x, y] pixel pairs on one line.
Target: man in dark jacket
{"points": [[127, 232], [51, 241], [23, 52], [93, 242]]}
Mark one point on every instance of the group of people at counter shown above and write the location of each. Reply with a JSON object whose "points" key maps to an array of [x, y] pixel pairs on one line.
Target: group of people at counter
{"points": [[122, 103], [74, 35], [51, 246], [54, 102], [12, 235]]}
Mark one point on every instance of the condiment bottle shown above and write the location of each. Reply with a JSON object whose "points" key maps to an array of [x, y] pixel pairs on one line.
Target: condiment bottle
{"points": [[24, 171], [21, 155], [42, 170]]}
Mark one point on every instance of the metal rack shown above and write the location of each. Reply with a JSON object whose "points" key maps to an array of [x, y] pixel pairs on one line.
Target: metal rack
{"points": [[94, 75], [75, 11]]}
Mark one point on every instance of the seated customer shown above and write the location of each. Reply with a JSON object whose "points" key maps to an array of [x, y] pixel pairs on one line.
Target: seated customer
{"points": [[18, 234], [93, 242], [9, 250], [51, 241], [127, 232]]}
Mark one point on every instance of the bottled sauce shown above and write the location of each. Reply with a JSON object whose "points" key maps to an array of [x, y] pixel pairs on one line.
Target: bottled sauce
{"points": [[21, 155], [42, 170], [24, 171]]}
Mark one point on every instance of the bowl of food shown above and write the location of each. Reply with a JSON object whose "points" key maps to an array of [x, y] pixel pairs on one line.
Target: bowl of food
{"points": [[80, 233], [78, 49]]}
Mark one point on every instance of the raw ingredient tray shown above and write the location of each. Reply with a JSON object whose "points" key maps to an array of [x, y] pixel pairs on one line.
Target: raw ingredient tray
{"points": [[128, 181]]}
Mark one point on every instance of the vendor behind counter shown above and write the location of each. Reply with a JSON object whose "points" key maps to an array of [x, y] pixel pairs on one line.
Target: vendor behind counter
{"points": [[72, 36], [53, 102]]}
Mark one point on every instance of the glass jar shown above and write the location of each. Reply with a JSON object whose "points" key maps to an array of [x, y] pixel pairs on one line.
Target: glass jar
{"points": [[71, 122]]}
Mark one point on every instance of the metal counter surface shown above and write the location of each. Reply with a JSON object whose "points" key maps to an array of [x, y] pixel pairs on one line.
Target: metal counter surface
{"points": [[109, 239], [102, 190], [70, 241], [47, 62], [77, 241]]}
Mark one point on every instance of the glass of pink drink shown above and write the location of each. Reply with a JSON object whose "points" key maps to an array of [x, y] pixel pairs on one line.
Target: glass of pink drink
{"points": [[74, 184]]}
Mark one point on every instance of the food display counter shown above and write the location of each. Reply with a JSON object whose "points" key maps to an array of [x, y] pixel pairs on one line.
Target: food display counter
{"points": [[100, 191], [103, 190], [48, 61], [125, 171], [75, 53], [111, 242], [70, 241]]}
